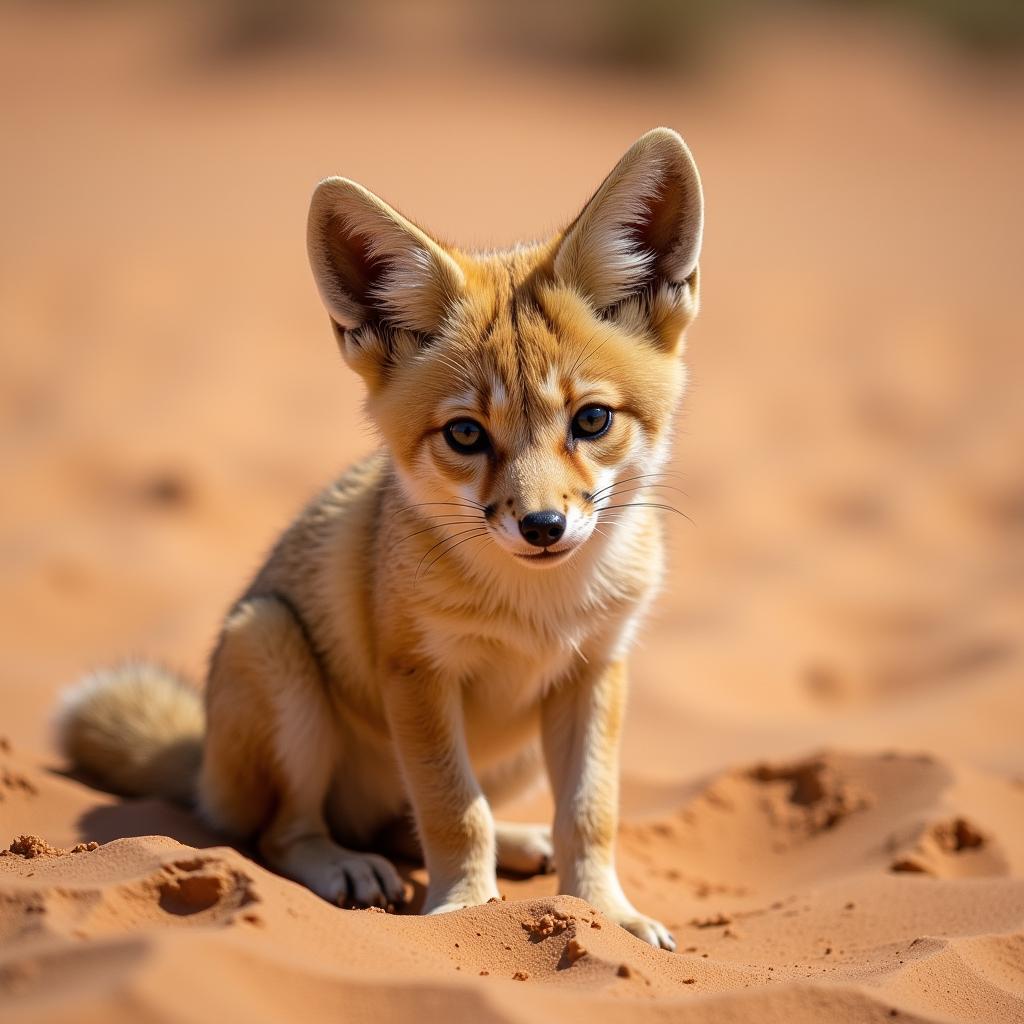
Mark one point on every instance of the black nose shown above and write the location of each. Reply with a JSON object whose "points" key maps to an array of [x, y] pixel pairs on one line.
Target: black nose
{"points": [[542, 528]]}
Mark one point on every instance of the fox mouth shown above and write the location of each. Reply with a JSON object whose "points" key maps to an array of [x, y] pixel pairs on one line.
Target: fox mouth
{"points": [[548, 556]]}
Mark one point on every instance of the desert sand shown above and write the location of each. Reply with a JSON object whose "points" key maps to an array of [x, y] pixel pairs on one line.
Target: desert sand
{"points": [[823, 778]]}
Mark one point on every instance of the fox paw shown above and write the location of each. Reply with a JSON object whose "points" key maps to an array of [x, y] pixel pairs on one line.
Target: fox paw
{"points": [[643, 927], [524, 849], [361, 880]]}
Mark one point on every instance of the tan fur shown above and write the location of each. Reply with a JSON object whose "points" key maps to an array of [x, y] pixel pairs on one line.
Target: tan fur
{"points": [[402, 649], [137, 728]]}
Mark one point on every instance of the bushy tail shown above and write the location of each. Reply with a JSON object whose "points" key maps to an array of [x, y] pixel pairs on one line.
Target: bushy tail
{"points": [[137, 729]]}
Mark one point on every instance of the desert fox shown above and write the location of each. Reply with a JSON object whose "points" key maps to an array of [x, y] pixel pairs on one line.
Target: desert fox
{"points": [[455, 612]]}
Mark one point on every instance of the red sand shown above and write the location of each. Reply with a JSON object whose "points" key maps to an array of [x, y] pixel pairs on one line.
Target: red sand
{"points": [[823, 766]]}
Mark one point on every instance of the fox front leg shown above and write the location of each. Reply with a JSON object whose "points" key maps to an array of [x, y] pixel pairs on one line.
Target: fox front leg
{"points": [[453, 817], [582, 723]]}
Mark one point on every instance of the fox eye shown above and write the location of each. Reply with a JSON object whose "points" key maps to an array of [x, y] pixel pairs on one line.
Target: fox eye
{"points": [[591, 421], [466, 437]]}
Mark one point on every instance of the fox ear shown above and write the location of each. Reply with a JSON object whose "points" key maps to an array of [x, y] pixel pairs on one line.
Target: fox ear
{"points": [[372, 266], [642, 227]]}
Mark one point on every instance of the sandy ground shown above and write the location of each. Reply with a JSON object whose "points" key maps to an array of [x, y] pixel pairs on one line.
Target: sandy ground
{"points": [[824, 767]]}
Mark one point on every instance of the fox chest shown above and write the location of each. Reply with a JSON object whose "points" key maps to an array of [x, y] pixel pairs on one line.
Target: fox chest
{"points": [[502, 686], [510, 662], [506, 667]]}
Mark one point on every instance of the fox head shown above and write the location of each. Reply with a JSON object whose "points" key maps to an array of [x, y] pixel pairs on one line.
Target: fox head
{"points": [[526, 396]]}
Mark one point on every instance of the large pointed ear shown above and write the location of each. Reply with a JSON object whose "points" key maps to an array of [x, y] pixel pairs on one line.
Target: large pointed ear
{"points": [[641, 229], [374, 268]]}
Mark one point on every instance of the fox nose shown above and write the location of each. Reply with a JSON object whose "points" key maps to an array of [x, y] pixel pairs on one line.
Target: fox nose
{"points": [[542, 528]]}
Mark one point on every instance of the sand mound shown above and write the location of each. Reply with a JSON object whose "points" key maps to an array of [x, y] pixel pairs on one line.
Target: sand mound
{"points": [[953, 849], [828, 816], [850, 455], [777, 878]]}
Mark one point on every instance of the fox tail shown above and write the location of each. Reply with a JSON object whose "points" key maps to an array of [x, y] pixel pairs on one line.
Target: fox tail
{"points": [[137, 729]]}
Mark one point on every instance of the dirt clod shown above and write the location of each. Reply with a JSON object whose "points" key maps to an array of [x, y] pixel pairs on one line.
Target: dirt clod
{"points": [[547, 924], [15, 782], [816, 798], [575, 950], [712, 921], [29, 846]]}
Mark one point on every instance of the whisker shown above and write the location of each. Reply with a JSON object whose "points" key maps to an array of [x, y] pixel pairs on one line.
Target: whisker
{"points": [[640, 487], [459, 371], [629, 479], [448, 551], [587, 352], [582, 352], [445, 540], [457, 499], [472, 502], [458, 504], [647, 504], [438, 526], [441, 523], [445, 360], [450, 515], [613, 519]]}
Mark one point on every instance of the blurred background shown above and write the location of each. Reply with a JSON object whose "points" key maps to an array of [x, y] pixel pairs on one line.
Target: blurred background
{"points": [[853, 444]]}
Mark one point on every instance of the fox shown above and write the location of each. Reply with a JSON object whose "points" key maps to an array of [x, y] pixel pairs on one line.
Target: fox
{"points": [[454, 614]]}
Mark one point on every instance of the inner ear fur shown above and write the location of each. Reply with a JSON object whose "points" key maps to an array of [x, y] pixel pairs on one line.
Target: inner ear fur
{"points": [[373, 267], [641, 231]]}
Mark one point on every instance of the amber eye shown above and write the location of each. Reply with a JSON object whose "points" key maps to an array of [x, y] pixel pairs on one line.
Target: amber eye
{"points": [[591, 421], [466, 437]]}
